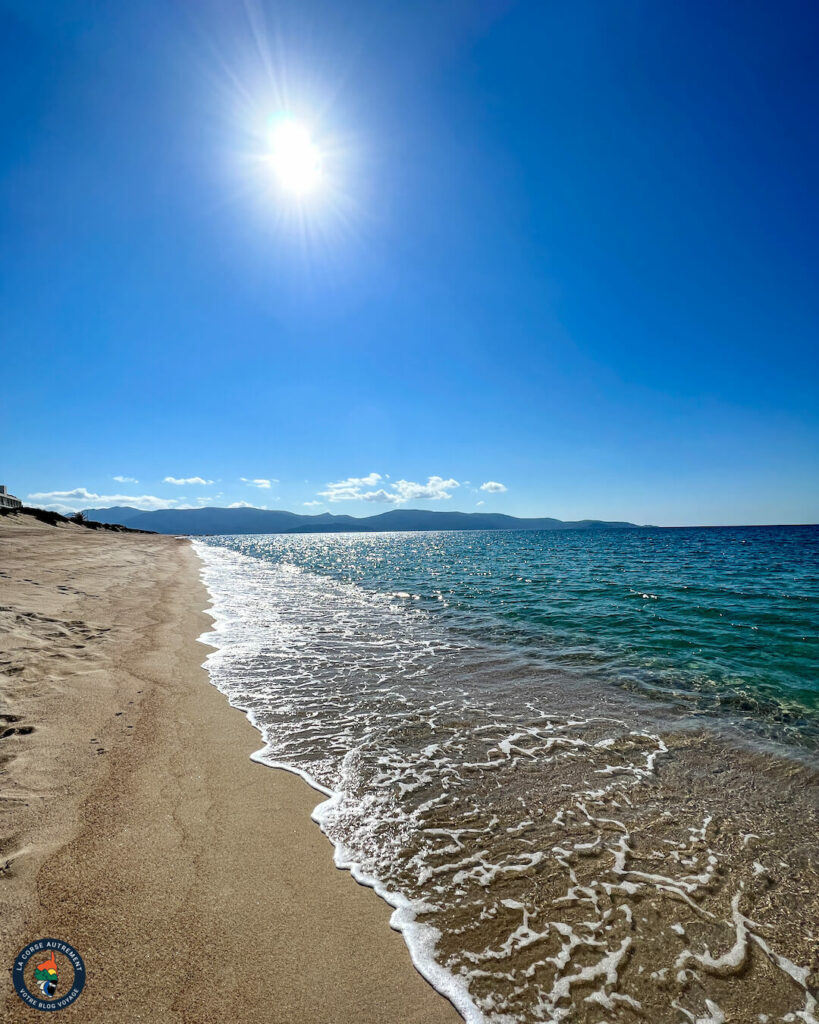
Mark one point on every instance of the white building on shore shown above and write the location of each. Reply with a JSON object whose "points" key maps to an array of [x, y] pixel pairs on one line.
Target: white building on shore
{"points": [[8, 500]]}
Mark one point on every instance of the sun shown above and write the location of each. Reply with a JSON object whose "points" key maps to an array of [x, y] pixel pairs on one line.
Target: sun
{"points": [[295, 158]]}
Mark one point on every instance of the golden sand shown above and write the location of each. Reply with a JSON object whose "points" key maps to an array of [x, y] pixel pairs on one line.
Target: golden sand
{"points": [[134, 826]]}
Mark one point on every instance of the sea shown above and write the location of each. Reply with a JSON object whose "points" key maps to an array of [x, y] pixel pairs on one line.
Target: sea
{"points": [[580, 765]]}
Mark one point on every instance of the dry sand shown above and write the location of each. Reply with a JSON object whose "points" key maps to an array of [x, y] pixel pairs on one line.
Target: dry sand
{"points": [[134, 826]]}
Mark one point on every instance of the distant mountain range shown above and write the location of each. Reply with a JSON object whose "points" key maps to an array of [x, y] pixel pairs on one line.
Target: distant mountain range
{"points": [[201, 521]]}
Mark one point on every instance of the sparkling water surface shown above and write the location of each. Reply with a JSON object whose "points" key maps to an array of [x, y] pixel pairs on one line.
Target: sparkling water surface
{"points": [[557, 847], [724, 620]]}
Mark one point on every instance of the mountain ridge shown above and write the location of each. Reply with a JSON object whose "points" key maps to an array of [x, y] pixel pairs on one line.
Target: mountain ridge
{"points": [[245, 520]]}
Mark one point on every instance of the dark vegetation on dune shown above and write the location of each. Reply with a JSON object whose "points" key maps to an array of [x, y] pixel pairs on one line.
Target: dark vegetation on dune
{"points": [[44, 515]]}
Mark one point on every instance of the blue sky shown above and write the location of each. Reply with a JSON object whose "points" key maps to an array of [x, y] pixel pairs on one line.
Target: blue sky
{"points": [[566, 248]]}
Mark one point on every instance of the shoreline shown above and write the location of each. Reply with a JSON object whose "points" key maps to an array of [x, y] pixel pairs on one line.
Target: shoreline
{"points": [[420, 939], [136, 826], [661, 842]]}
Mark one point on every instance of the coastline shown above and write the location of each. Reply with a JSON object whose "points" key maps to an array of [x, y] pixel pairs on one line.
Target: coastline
{"points": [[669, 866], [135, 824]]}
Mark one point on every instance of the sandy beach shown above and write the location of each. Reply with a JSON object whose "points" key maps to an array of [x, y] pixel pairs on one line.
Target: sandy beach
{"points": [[135, 826]]}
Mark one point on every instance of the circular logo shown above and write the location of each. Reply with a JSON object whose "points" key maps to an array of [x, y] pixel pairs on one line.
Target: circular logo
{"points": [[48, 975]]}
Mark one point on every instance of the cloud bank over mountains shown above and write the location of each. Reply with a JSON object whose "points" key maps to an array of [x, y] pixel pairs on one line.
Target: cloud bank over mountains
{"points": [[67, 502], [373, 488], [398, 492]]}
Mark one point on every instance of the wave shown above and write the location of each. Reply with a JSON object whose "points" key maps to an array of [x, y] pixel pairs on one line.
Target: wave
{"points": [[550, 853]]}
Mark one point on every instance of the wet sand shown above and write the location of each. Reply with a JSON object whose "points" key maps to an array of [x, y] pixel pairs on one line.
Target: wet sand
{"points": [[587, 854], [134, 826]]}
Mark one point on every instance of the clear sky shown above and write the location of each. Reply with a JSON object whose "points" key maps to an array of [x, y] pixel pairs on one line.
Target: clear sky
{"points": [[569, 249]]}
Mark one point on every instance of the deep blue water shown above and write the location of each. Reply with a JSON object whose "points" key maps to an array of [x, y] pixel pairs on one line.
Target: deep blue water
{"points": [[724, 621]]}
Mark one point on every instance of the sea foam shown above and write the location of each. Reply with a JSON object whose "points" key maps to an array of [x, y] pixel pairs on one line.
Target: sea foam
{"points": [[538, 857]]}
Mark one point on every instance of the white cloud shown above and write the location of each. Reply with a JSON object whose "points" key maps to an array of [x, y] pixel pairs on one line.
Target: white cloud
{"points": [[479, 503], [435, 489], [379, 496], [260, 482], [312, 504], [244, 504], [125, 479], [81, 497], [493, 487], [349, 489], [181, 481], [352, 489], [56, 506]]}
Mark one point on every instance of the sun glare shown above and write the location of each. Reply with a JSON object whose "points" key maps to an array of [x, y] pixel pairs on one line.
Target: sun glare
{"points": [[295, 157]]}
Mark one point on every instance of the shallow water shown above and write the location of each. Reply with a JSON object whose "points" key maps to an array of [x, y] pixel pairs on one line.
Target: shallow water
{"points": [[558, 848]]}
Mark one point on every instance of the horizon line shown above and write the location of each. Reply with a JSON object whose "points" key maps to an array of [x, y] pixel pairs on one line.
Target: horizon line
{"points": [[507, 515]]}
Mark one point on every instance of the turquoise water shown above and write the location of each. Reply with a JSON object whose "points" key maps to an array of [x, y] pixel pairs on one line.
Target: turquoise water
{"points": [[723, 621], [552, 844]]}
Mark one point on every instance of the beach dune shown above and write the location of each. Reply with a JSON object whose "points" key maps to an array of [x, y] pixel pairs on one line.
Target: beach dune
{"points": [[134, 824]]}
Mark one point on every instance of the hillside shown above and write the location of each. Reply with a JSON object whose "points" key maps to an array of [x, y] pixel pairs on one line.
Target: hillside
{"points": [[199, 521]]}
